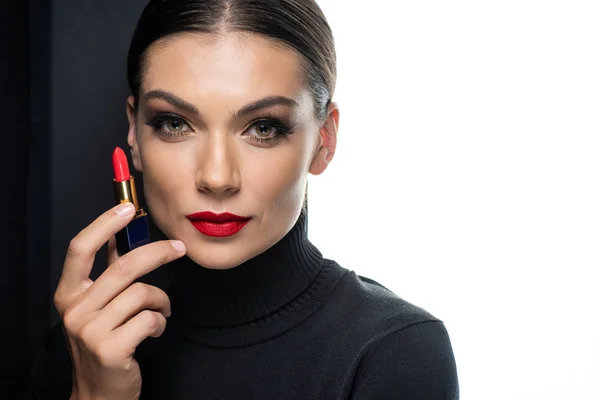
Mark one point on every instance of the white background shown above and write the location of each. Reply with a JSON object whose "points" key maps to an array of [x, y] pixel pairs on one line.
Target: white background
{"points": [[467, 180]]}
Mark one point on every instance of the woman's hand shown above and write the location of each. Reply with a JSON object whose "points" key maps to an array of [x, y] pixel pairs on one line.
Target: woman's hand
{"points": [[105, 320]]}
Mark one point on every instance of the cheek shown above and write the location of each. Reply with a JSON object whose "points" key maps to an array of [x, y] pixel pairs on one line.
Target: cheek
{"points": [[166, 172], [277, 179]]}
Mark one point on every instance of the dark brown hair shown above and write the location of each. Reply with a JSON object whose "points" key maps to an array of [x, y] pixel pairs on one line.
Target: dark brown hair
{"points": [[299, 24]]}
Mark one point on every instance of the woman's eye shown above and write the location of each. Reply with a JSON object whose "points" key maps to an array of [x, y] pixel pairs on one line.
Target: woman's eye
{"points": [[263, 129], [266, 131], [169, 125], [174, 125]]}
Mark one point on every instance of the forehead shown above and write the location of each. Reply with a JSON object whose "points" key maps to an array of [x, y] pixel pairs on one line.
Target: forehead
{"points": [[234, 64]]}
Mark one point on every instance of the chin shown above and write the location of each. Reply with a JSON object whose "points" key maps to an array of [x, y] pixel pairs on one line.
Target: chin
{"points": [[223, 258]]}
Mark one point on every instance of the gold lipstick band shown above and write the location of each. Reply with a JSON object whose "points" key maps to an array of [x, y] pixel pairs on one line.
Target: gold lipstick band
{"points": [[125, 192]]}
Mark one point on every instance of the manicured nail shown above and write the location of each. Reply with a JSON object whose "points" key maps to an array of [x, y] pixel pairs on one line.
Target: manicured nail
{"points": [[178, 245], [125, 209]]}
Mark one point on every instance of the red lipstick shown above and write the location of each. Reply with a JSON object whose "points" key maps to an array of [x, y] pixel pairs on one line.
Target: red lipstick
{"points": [[136, 233], [120, 165], [217, 225]]}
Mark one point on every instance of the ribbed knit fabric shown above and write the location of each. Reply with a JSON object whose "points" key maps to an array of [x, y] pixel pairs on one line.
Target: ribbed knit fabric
{"points": [[287, 324]]}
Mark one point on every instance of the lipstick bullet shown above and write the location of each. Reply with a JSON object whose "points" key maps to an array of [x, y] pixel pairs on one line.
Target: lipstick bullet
{"points": [[136, 233]]}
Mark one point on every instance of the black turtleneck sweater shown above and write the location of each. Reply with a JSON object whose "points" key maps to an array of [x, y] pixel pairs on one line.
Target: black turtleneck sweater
{"points": [[287, 324]]}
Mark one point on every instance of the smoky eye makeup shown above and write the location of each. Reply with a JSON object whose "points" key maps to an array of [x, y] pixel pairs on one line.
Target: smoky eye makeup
{"points": [[265, 128], [168, 124]]}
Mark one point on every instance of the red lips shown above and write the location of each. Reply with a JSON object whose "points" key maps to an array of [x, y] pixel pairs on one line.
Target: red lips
{"points": [[217, 225]]}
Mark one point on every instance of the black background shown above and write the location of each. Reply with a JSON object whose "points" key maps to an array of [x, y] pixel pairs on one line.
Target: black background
{"points": [[63, 74]]}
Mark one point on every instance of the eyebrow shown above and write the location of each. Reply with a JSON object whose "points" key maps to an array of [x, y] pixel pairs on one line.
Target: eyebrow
{"points": [[247, 109]]}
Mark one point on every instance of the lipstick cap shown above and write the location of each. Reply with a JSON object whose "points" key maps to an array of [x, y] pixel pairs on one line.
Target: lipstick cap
{"points": [[135, 234]]}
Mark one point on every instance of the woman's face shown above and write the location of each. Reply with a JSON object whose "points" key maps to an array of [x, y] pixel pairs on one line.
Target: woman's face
{"points": [[210, 135]]}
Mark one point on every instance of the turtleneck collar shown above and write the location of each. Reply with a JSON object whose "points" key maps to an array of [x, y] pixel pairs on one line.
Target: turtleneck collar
{"points": [[261, 297]]}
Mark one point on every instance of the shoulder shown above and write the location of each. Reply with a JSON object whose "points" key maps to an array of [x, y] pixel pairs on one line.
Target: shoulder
{"points": [[405, 351], [376, 307], [416, 362]]}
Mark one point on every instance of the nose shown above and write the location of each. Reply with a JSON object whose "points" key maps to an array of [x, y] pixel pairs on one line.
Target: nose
{"points": [[217, 173]]}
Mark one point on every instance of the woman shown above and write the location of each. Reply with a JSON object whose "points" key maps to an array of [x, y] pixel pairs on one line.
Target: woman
{"points": [[230, 110]]}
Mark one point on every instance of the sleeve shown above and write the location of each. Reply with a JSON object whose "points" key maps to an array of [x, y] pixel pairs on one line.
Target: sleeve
{"points": [[50, 376], [413, 363]]}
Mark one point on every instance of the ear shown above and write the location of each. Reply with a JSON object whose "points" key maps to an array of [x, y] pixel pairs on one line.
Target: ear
{"points": [[327, 140], [132, 134]]}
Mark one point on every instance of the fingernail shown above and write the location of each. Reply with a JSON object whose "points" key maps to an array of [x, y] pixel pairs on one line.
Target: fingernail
{"points": [[125, 209], [178, 245]]}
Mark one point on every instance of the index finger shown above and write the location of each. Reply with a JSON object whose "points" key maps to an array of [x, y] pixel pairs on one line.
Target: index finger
{"points": [[83, 247], [131, 266]]}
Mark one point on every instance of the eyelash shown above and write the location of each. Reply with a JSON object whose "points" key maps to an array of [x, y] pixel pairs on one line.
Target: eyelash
{"points": [[157, 123]]}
